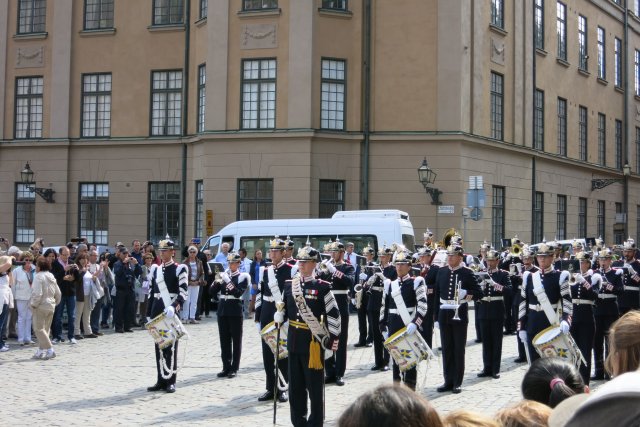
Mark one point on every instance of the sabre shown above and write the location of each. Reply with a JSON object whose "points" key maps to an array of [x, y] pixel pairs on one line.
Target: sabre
{"points": [[526, 350], [280, 308]]}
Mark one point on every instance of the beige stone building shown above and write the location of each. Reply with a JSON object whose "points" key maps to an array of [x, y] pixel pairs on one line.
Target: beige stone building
{"points": [[150, 117]]}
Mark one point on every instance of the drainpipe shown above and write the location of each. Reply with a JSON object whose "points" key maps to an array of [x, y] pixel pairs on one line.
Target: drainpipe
{"points": [[625, 141], [533, 128], [185, 120], [364, 175]]}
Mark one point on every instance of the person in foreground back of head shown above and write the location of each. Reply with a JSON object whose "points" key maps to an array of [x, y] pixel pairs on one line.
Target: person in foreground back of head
{"points": [[463, 418], [526, 413], [624, 345], [550, 380], [390, 405]]}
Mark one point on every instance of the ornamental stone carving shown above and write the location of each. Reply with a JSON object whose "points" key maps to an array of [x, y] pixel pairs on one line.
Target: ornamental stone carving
{"points": [[497, 51], [259, 36], [30, 57]]}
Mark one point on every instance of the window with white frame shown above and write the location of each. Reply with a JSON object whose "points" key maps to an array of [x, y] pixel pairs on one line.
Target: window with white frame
{"points": [[618, 148], [96, 105], [204, 8], [582, 217], [332, 94], [538, 216], [258, 94], [617, 62], [602, 139], [28, 114], [538, 33], [636, 73], [562, 127], [538, 120], [164, 210], [561, 217], [198, 223], [202, 96], [497, 216], [255, 199], [259, 4], [601, 219], [25, 214], [166, 102], [497, 13], [331, 197]]}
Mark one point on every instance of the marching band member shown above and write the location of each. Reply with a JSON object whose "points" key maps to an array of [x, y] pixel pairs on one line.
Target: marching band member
{"points": [[630, 298], [542, 292], [341, 276], [314, 318], [456, 285], [516, 283], [491, 311], [230, 318], [606, 310], [482, 266], [428, 240], [429, 273], [513, 258], [404, 303], [288, 251], [364, 327], [270, 292], [584, 294], [174, 286], [376, 286]]}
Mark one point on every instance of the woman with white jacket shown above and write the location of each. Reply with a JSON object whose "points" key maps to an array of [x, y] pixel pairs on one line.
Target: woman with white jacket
{"points": [[45, 295], [6, 297], [22, 279]]}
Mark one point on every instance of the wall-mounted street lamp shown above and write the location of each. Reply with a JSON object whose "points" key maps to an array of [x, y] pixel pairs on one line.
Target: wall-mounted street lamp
{"points": [[427, 177], [599, 183], [26, 177]]}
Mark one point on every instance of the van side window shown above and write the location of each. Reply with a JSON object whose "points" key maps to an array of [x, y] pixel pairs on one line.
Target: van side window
{"points": [[253, 243], [229, 240]]}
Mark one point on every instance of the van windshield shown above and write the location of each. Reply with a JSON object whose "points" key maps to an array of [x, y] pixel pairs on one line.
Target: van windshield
{"points": [[212, 244], [360, 241]]}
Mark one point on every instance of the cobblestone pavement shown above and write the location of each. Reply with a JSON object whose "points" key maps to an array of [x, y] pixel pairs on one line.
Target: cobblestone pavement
{"points": [[103, 382]]}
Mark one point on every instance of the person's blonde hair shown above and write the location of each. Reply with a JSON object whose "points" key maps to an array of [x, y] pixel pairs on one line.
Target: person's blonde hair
{"points": [[624, 344], [26, 256], [526, 413], [462, 418]]}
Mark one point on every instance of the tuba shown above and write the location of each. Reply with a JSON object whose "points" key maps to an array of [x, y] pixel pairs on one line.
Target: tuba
{"points": [[446, 239], [516, 250]]}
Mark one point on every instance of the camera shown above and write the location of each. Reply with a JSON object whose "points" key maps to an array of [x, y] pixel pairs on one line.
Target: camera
{"points": [[14, 262]]}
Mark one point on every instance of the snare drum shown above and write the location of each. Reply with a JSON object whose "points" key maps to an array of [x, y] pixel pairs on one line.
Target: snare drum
{"points": [[269, 335], [551, 342], [164, 330], [407, 350]]}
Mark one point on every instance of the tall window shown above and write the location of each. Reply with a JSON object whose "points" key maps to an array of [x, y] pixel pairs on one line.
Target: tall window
{"points": [[259, 94], [259, 4], [335, 4], [164, 210], [255, 199], [166, 102], [561, 13], [331, 197], [98, 14], [602, 63], [28, 116], [562, 127], [582, 43], [617, 62], [582, 133], [637, 223], [96, 105], [202, 104], [93, 222], [204, 8], [538, 216], [602, 139], [497, 13], [168, 12], [496, 105], [600, 219], [637, 150], [561, 218], [582, 217], [332, 97], [636, 73], [25, 211], [198, 223], [538, 120], [618, 152], [538, 34], [31, 16], [497, 217]]}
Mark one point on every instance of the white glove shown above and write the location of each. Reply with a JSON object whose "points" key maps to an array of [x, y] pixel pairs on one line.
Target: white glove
{"points": [[363, 276], [224, 276], [523, 336], [411, 328], [170, 311], [258, 327], [436, 325], [330, 267], [278, 317], [387, 282], [579, 278], [462, 294], [271, 274], [564, 327], [353, 301], [385, 334], [148, 319]]}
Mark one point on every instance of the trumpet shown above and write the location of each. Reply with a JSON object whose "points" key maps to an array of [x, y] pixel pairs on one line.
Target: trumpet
{"points": [[456, 297]]}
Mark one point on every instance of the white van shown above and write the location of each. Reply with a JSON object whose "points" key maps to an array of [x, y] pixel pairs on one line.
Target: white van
{"points": [[371, 227]]}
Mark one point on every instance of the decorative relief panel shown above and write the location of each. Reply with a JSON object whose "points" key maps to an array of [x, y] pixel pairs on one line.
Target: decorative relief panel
{"points": [[30, 57], [497, 51], [259, 36]]}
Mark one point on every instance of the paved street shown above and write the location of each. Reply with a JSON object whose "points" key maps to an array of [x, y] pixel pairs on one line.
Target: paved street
{"points": [[103, 382]]}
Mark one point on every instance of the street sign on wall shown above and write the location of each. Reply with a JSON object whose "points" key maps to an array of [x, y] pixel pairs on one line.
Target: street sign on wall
{"points": [[446, 209]]}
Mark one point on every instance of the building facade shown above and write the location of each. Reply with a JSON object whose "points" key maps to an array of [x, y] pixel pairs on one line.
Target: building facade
{"points": [[181, 116]]}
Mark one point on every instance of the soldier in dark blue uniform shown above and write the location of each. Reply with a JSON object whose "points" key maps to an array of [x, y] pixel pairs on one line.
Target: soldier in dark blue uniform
{"points": [[176, 279], [429, 273], [453, 332], [320, 324], [273, 279], [584, 295], [375, 285], [555, 284], [341, 276], [630, 298], [491, 311], [516, 283], [414, 296], [230, 317], [513, 258], [365, 338], [606, 311]]}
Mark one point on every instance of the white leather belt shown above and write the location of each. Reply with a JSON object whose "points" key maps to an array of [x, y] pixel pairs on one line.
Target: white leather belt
{"points": [[452, 301], [583, 301], [632, 288], [411, 310], [377, 288], [158, 296], [229, 297], [607, 296], [538, 307], [269, 299], [340, 292], [490, 299]]}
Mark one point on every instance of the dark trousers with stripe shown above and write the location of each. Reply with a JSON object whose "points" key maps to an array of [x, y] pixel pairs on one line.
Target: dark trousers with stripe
{"points": [[601, 342], [167, 354], [453, 336], [583, 333], [364, 330], [337, 365], [492, 345], [230, 329], [305, 382], [380, 354]]}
